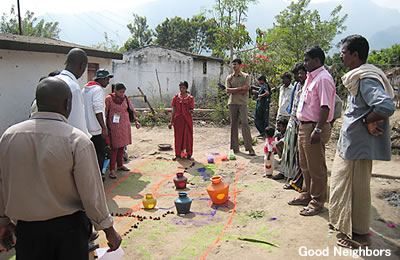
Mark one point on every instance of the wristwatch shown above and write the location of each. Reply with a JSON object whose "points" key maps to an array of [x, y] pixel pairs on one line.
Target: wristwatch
{"points": [[317, 130]]}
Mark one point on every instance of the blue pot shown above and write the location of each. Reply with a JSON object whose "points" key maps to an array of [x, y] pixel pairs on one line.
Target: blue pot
{"points": [[183, 203]]}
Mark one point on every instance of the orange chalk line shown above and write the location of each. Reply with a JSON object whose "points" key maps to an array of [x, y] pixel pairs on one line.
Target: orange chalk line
{"points": [[230, 219], [124, 178], [137, 207]]}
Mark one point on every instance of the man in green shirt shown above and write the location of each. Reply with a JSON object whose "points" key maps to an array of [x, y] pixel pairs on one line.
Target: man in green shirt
{"points": [[237, 86]]}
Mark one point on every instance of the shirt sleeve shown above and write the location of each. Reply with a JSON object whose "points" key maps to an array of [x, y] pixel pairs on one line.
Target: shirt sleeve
{"points": [[227, 81], [90, 186], [98, 101], [191, 106], [4, 220], [173, 103], [376, 97], [326, 93], [248, 80]]}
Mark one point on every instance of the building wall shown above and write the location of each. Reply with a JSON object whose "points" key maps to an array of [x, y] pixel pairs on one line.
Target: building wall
{"points": [[206, 75], [20, 72], [138, 69]]}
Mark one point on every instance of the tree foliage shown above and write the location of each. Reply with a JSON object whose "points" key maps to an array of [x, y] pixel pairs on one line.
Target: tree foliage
{"points": [[193, 35], [108, 45], [386, 58], [231, 35], [297, 28], [141, 34], [31, 26]]}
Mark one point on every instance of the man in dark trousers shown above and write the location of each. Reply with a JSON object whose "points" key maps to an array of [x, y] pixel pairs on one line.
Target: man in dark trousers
{"points": [[50, 183]]}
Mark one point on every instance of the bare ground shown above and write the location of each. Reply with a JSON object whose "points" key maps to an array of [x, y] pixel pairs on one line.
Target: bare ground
{"points": [[257, 207]]}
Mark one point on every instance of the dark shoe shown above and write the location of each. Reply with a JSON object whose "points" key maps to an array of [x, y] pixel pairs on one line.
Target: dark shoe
{"points": [[252, 153], [279, 176], [93, 247]]}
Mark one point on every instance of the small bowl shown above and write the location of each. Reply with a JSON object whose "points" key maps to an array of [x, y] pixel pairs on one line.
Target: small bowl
{"points": [[164, 147]]}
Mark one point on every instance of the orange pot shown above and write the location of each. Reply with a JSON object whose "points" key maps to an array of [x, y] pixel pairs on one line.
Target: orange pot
{"points": [[218, 190]]}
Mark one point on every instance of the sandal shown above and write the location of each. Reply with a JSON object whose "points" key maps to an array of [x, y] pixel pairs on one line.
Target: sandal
{"points": [[297, 201], [307, 211], [123, 168], [288, 187], [348, 243], [112, 175]]}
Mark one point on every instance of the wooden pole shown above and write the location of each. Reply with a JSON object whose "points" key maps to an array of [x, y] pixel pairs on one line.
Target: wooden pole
{"points": [[159, 86], [19, 19], [145, 100]]}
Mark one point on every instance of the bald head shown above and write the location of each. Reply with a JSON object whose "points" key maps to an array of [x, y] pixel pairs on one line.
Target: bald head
{"points": [[53, 95], [76, 62]]}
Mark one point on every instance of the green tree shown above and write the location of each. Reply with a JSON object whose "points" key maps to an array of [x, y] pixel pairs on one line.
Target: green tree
{"points": [[231, 35], [386, 58], [141, 34], [31, 26], [297, 28], [108, 45], [192, 35]]}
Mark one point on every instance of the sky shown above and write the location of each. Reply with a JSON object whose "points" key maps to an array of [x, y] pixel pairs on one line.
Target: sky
{"points": [[85, 21]]}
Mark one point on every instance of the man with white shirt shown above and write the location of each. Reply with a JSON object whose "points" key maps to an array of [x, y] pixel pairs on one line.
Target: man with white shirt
{"points": [[285, 93], [75, 66], [93, 98]]}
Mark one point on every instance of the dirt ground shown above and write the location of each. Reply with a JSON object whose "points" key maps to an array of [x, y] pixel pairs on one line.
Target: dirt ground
{"points": [[257, 206]]}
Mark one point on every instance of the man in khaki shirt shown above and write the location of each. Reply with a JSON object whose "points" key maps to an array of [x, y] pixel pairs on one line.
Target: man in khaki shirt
{"points": [[50, 183], [237, 86]]}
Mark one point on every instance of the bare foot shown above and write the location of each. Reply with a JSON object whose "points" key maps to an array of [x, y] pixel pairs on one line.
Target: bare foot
{"points": [[112, 174]]}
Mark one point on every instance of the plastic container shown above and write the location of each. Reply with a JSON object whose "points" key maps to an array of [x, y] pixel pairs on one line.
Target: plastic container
{"points": [[218, 190], [183, 203], [231, 155], [210, 158], [180, 180], [149, 202]]}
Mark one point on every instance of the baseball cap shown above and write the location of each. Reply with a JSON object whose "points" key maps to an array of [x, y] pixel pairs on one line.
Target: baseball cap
{"points": [[103, 73]]}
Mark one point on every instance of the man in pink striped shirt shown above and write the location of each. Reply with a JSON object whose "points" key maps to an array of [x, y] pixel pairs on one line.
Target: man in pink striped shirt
{"points": [[315, 112]]}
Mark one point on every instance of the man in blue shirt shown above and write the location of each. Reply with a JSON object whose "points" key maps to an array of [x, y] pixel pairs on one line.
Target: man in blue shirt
{"points": [[364, 136]]}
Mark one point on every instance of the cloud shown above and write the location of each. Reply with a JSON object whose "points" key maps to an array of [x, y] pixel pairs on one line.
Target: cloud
{"points": [[391, 4], [40, 7]]}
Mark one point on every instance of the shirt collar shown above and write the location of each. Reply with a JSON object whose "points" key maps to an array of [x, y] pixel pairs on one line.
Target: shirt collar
{"points": [[69, 74], [49, 115], [239, 75], [315, 72]]}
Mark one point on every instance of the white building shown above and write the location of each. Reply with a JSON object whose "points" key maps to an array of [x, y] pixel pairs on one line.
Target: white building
{"points": [[24, 60], [158, 69]]}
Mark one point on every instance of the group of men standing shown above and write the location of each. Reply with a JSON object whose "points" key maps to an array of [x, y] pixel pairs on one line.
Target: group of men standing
{"points": [[364, 136], [50, 181]]}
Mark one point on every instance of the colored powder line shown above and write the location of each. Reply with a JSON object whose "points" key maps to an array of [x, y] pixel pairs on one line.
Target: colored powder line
{"points": [[167, 208], [204, 255], [205, 214], [124, 178]]}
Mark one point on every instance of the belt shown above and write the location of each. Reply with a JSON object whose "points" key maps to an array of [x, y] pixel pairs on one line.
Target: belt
{"points": [[307, 122]]}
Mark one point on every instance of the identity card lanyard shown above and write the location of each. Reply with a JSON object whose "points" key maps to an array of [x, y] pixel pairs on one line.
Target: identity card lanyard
{"points": [[116, 116]]}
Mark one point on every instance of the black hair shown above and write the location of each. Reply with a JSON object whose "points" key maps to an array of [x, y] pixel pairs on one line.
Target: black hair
{"points": [[301, 67], [119, 86], [296, 67], [316, 52], [359, 44], [184, 83], [263, 78], [282, 121], [54, 73], [238, 61], [270, 131], [287, 75]]}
